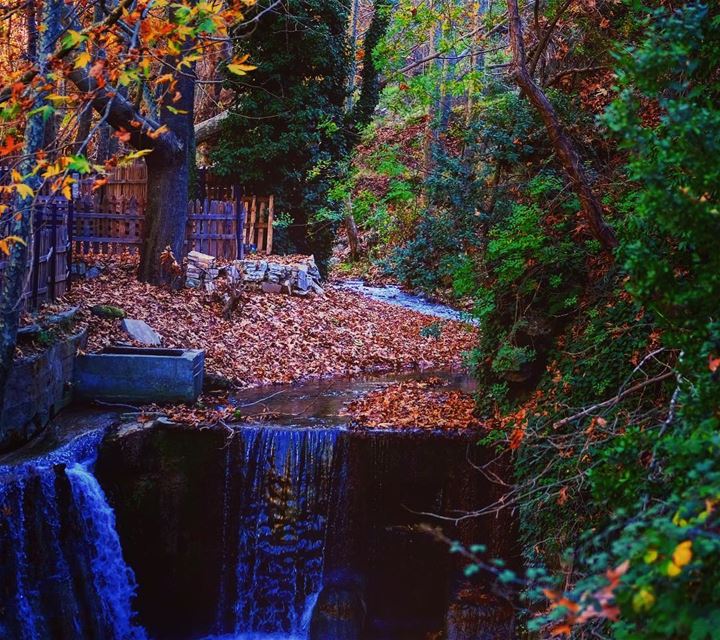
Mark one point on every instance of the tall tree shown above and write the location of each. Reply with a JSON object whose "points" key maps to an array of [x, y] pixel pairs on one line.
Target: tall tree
{"points": [[563, 144], [287, 127], [100, 58]]}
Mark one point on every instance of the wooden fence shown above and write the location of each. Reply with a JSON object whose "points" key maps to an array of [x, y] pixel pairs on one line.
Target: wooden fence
{"points": [[110, 221], [48, 272], [222, 228]]}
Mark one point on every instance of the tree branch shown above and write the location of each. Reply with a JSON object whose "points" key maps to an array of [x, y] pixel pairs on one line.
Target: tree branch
{"points": [[563, 145], [211, 127]]}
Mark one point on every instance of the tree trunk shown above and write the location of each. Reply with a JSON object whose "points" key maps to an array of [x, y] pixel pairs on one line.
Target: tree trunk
{"points": [[563, 145], [352, 231], [19, 223], [165, 214], [168, 183]]}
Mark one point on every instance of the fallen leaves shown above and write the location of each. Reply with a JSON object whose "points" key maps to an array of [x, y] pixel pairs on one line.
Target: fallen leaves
{"points": [[274, 338], [414, 405]]}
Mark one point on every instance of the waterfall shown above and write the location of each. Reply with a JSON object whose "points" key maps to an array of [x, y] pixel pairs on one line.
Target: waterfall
{"points": [[62, 573], [113, 580], [283, 479]]}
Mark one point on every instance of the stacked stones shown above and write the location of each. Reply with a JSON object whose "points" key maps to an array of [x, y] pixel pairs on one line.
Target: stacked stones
{"points": [[300, 279], [201, 271]]}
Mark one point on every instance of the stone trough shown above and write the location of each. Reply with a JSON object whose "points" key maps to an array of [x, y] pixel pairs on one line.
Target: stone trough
{"points": [[131, 374]]}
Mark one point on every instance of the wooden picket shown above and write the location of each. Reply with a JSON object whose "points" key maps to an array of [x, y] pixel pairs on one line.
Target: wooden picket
{"points": [[48, 267], [115, 225]]}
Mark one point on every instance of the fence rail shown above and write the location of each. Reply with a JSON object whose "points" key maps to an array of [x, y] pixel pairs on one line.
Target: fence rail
{"points": [[218, 227], [48, 271]]}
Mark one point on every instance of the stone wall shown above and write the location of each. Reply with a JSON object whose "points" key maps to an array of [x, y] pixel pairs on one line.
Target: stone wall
{"points": [[299, 278], [37, 389]]}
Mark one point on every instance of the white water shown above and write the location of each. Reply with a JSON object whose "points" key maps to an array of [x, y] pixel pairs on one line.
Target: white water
{"points": [[113, 580], [395, 295]]}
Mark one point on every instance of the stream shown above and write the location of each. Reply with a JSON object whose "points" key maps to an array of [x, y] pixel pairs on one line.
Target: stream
{"points": [[292, 527], [393, 294]]}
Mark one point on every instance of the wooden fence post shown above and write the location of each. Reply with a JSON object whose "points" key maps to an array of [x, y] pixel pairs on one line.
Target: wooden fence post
{"points": [[240, 221], [36, 215], [70, 231], [270, 218], [52, 276]]}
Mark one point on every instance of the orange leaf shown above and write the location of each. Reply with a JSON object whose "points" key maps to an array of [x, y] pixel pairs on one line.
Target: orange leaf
{"points": [[713, 363]]}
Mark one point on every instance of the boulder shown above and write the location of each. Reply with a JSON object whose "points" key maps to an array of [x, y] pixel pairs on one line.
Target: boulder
{"points": [[141, 332], [93, 272], [302, 282], [63, 317]]}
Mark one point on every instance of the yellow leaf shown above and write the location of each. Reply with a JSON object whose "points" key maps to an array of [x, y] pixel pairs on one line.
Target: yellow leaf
{"points": [[643, 600], [83, 60], [240, 69], [683, 553], [137, 154], [52, 170], [650, 556], [23, 190], [6, 242], [673, 570]]}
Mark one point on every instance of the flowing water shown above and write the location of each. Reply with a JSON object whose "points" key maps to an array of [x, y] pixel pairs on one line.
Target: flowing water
{"points": [[395, 295], [286, 510], [63, 572], [279, 495]]}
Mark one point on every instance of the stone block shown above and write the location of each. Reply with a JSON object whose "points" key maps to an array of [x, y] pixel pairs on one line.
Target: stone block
{"points": [[302, 283], [140, 375], [202, 259], [36, 389], [141, 332], [271, 287]]}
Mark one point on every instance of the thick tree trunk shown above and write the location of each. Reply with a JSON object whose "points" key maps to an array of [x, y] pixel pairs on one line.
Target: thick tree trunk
{"points": [[165, 215], [563, 145], [169, 183]]}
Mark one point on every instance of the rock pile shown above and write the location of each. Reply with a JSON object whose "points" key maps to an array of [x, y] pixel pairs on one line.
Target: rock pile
{"points": [[202, 270], [301, 278]]}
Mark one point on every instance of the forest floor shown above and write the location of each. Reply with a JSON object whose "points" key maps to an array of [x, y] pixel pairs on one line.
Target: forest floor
{"points": [[274, 338]]}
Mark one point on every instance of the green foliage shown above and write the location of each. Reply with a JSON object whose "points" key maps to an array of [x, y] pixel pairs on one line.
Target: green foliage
{"points": [[286, 131], [642, 484], [433, 330]]}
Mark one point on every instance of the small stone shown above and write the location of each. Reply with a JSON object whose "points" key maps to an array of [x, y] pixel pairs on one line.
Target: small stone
{"points": [[314, 286], [64, 317], [201, 258], [271, 287], [141, 332]]}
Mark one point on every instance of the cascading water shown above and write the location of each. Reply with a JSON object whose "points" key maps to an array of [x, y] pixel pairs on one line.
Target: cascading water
{"points": [[113, 580], [63, 574], [283, 479]]}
